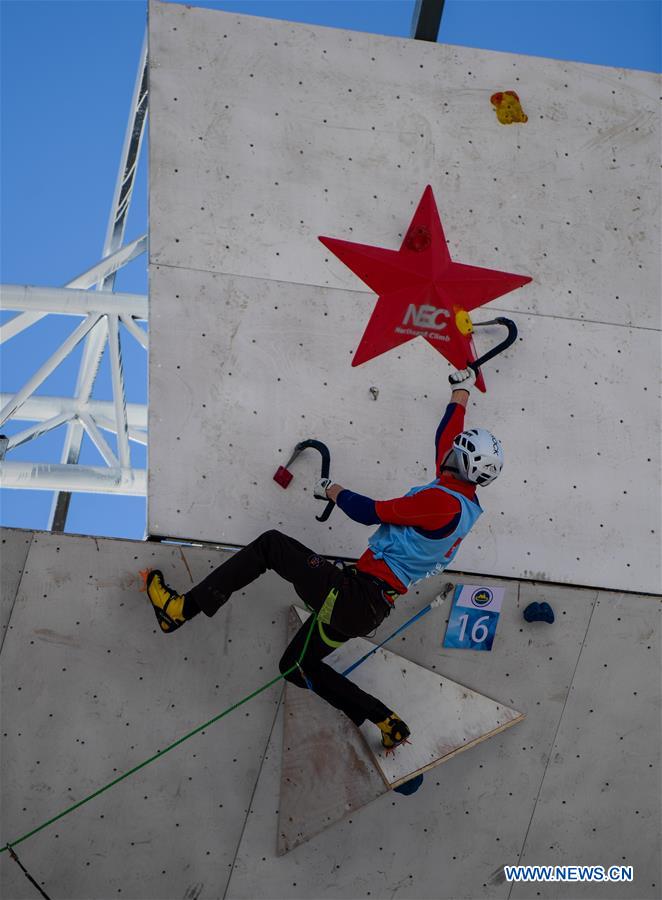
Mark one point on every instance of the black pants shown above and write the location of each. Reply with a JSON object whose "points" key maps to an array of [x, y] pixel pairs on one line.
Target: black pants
{"points": [[358, 610]]}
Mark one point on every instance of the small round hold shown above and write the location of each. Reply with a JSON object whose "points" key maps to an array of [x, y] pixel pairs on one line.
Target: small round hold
{"points": [[539, 612], [409, 787]]}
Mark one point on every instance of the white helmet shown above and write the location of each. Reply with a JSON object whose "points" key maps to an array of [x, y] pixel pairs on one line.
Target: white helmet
{"points": [[479, 455]]}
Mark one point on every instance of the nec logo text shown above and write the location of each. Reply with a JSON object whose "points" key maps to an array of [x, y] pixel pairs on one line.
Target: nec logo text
{"points": [[426, 317]]}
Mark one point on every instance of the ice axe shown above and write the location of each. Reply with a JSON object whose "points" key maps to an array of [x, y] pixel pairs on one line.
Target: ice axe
{"points": [[466, 326], [283, 476]]}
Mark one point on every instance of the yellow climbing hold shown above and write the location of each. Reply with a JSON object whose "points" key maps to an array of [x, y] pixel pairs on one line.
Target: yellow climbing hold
{"points": [[463, 322], [508, 107]]}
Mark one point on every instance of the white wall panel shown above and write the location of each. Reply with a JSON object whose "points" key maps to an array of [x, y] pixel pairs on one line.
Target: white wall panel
{"points": [[90, 688], [611, 705], [13, 553], [265, 134], [255, 366]]}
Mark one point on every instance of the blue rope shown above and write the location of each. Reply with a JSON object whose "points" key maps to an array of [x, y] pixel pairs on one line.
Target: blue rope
{"points": [[402, 628]]}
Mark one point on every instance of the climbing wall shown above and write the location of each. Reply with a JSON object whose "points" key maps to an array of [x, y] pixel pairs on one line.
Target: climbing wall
{"points": [[91, 689], [265, 135], [13, 553]]}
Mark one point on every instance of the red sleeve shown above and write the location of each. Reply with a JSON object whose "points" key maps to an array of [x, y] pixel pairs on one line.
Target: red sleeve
{"points": [[449, 427], [431, 509]]}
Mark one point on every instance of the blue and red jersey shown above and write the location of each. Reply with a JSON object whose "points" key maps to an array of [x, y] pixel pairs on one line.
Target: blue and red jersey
{"points": [[433, 514]]}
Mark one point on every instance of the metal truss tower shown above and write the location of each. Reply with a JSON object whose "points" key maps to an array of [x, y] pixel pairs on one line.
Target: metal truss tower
{"points": [[89, 296]]}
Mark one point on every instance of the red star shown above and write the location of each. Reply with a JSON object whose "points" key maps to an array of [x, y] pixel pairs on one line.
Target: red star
{"points": [[422, 292]]}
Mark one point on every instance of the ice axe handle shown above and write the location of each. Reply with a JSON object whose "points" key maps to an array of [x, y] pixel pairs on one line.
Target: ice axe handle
{"points": [[326, 466], [512, 337]]}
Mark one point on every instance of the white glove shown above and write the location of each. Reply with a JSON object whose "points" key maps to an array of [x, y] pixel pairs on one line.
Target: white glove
{"points": [[319, 491], [462, 379]]}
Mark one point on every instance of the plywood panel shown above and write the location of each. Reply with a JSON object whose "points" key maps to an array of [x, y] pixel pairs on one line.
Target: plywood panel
{"points": [[331, 769], [254, 366], [327, 770], [445, 717]]}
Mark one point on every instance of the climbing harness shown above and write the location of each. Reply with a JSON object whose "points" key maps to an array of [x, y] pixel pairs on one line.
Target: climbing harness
{"points": [[324, 618], [283, 476], [438, 600]]}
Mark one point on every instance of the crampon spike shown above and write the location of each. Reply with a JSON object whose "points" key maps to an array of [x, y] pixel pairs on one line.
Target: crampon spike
{"points": [[389, 750]]}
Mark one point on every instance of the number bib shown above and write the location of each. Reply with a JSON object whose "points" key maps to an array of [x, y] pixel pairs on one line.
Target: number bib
{"points": [[474, 617]]}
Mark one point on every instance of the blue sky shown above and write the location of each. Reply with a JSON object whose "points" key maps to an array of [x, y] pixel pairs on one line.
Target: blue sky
{"points": [[67, 76]]}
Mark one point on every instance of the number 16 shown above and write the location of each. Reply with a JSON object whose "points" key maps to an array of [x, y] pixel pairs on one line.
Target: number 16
{"points": [[477, 627]]}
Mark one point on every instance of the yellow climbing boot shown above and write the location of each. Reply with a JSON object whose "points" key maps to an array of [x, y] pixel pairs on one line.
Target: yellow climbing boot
{"points": [[394, 732], [168, 606]]}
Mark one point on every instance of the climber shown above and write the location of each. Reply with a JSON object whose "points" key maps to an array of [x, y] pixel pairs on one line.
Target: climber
{"points": [[418, 536]]}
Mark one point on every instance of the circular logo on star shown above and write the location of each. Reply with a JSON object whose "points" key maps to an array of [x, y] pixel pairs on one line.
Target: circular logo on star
{"points": [[482, 597]]}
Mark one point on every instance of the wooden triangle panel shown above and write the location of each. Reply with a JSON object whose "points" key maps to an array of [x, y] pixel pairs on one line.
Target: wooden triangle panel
{"points": [[327, 771], [331, 768]]}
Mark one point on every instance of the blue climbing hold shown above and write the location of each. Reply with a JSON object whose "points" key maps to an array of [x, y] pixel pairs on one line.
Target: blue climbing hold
{"points": [[410, 787], [539, 612], [532, 612]]}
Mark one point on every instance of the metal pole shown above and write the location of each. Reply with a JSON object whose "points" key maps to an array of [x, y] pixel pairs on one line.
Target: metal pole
{"points": [[98, 439], [426, 20], [29, 434], [119, 397], [110, 264], [41, 408], [71, 302], [33, 383], [83, 281], [138, 437], [137, 332], [57, 477]]}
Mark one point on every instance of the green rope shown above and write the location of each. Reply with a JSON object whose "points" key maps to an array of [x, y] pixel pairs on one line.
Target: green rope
{"points": [[161, 753]]}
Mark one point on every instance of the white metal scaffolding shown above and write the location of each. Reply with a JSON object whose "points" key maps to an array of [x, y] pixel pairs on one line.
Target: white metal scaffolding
{"points": [[102, 312]]}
